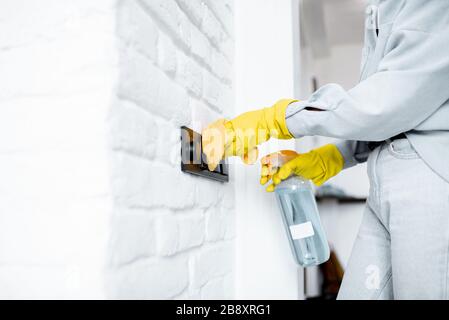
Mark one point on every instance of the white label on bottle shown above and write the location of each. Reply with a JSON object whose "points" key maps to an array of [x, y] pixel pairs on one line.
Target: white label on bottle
{"points": [[301, 231]]}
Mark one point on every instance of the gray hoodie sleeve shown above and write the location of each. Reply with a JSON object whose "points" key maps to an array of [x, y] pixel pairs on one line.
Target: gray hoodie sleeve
{"points": [[411, 83], [347, 149]]}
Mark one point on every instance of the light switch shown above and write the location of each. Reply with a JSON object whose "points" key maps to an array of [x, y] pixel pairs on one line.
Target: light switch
{"points": [[193, 160]]}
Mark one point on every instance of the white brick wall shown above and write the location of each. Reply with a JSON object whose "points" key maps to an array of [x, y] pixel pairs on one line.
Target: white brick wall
{"points": [[92, 201], [176, 79]]}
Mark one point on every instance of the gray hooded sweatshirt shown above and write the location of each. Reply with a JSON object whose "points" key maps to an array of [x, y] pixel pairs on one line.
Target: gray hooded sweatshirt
{"points": [[404, 86]]}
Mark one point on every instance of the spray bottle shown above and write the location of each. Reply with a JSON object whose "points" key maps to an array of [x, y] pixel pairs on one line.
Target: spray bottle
{"points": [[301, 219]]}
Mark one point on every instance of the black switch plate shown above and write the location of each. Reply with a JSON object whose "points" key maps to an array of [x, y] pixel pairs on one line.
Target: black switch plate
{"points": [[193, 158]]}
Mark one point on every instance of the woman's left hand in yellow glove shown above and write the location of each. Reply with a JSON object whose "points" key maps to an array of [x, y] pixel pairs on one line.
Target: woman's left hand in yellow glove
{"points": [[318, 165], [241, 135]]}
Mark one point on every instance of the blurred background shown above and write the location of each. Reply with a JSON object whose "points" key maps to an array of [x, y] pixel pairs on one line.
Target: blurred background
{"points": [[93, 203]]}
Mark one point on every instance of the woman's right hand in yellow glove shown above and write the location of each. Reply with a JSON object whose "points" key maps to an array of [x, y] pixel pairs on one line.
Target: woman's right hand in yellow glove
{"points": [[318, 165], [241, 135]]}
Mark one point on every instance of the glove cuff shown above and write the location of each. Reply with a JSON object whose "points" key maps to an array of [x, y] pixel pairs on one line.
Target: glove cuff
{"points": [[275, 118]]}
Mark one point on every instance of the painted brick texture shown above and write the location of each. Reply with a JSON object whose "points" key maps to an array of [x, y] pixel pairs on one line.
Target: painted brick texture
{"points": [[92, 199], [175, 64]]}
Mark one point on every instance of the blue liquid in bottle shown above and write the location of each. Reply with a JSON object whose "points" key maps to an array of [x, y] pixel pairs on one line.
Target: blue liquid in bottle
{"points": [[302, 221]]}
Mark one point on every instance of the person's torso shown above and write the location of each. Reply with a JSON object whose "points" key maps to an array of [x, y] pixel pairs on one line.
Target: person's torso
{"points": [[431, 137]]}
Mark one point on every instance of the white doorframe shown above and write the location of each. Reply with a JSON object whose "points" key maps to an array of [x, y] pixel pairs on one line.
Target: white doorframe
{"points": [[267, 33]]}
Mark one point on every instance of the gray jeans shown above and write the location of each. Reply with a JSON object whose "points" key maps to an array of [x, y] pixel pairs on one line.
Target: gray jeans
{"points": [[402, 248]]}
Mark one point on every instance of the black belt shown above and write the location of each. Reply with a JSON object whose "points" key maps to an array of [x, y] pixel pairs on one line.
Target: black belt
{"points": [[374, 144]]}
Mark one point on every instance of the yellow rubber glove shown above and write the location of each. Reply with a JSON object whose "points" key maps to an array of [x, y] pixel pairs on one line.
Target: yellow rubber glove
{"points": [[241, 135], [318, 165]]}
